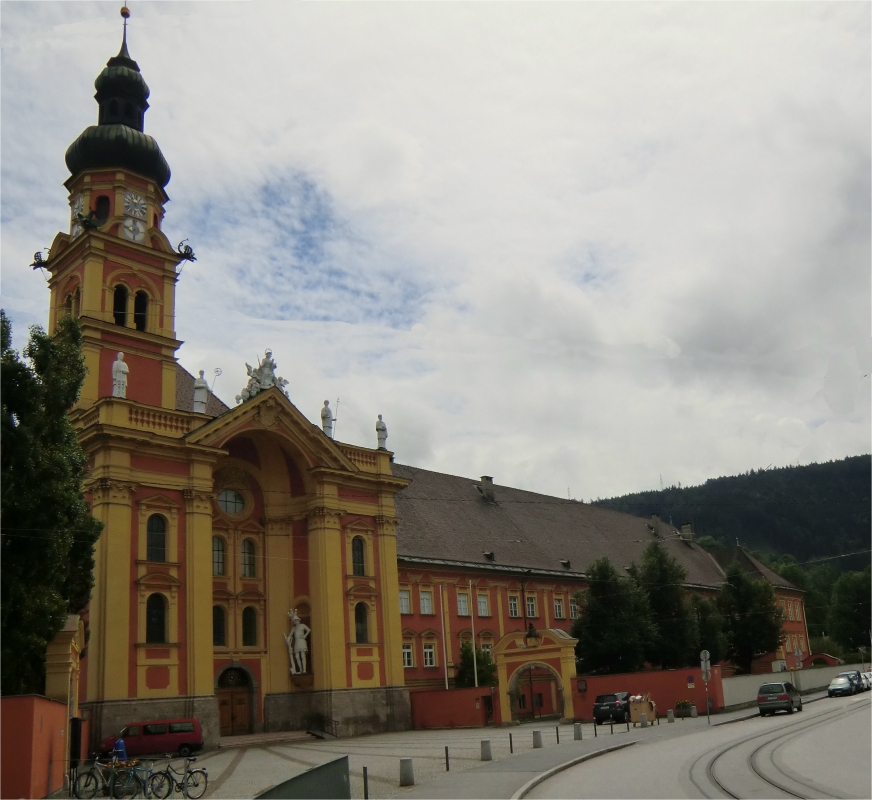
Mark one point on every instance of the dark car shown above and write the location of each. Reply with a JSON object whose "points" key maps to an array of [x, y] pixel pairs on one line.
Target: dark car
{"points": [[783, 696], [614, 707], [841, 686], [854, 676]]}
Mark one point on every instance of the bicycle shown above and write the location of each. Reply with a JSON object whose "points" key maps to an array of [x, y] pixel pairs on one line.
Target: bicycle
{"points": [[128, 782], [98, 778], [191, 783]]}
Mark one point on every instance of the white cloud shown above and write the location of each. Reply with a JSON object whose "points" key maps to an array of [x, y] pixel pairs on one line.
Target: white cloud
{"points": [[568, 245]]}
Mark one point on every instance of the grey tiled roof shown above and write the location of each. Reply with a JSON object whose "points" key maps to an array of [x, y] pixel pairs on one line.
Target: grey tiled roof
{"points": [[446, 518], [185, 395], [752, 566]]}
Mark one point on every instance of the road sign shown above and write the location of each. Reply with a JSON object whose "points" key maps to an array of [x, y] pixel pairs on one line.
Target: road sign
{"points": [[705, 655], [706, 675]]}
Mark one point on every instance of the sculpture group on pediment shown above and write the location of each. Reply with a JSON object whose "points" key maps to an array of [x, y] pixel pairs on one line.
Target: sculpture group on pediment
{"points": [[261, 378]]}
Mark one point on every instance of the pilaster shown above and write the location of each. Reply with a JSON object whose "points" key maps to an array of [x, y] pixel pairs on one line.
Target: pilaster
{"points": [[390, 607], [198, 536]]}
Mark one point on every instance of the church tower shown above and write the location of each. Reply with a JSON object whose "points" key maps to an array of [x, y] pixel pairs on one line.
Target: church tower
{"points": [[115, 269]]}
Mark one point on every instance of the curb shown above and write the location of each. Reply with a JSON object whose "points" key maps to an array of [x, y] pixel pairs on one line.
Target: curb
{"points": [[533, 782]]}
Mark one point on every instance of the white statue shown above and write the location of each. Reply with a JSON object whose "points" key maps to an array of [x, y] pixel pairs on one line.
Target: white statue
{"points": [[381, 430], [119, 377], [296, 641], [261, 377], [327, 419], [201, 394]]}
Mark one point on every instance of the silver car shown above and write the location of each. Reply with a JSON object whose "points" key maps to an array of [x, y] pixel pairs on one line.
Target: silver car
{"points": [[782, 696]]}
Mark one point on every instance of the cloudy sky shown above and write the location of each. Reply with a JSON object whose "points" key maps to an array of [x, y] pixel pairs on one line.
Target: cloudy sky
{"points": [[581, 247]]}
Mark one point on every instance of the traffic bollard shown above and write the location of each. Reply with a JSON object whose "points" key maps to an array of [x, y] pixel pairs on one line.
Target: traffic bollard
{"points": [[576, 731], [486, 750], [670, 716], [365, 784], [595, 726], [643, 718], [407, 772], [557, 731], [447, 763], [628, 726], [612, 727], [511, 746], [537, 739], [693, 714]]}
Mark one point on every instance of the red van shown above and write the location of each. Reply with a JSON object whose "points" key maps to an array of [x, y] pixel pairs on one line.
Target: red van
{"points": [[182, 736]]}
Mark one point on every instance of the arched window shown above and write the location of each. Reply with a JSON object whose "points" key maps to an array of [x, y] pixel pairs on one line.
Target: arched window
{"points": [[119, 305], [249, 627], [358, 563], [102, 210], [157, 539], [77, 301], [68, 305], [217, 555], [156, 619], [248, 570], [140, 310], [361, 628], [219, 638]]}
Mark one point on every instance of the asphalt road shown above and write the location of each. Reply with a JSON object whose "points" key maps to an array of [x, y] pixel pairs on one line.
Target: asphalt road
{"points": [[824, 751]]}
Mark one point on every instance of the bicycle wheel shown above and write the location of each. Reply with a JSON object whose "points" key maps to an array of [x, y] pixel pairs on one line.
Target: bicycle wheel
{"points": [[160, 785], [87, 785], [195, 784], [127, 784]]}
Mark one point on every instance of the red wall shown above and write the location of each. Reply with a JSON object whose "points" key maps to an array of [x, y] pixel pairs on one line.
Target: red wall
{"points": [[666, 687], [455, 708], [33, 742]]}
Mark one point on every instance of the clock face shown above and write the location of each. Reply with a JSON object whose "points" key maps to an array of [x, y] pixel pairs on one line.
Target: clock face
{"points": [[133, 229], [134, 205], [77, 209]]}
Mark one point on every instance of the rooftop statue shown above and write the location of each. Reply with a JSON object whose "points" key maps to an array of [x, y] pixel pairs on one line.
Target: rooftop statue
{"points": [[260, 378]]}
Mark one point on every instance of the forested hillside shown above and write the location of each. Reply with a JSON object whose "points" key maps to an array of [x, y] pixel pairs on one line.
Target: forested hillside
{"points": [[808, 512]]}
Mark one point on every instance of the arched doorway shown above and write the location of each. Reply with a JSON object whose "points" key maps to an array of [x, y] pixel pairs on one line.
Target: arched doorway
{"points": [[234, 701], [536, 692]]}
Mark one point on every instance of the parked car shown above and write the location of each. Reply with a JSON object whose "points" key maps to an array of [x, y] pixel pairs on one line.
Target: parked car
{"points": [[182, 736], [867, 684], [772, 697], [868, 678], [614, 707], [854, 676], [840, 686]]}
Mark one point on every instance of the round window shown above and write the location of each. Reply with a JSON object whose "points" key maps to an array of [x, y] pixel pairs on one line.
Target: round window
{"points": [[231, 501]]}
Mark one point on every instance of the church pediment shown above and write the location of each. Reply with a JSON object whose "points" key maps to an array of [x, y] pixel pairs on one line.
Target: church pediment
{"points": [[271, 411]]}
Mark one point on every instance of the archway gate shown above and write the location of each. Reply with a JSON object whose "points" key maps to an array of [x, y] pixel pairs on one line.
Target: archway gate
{"points": [[550, 651]]}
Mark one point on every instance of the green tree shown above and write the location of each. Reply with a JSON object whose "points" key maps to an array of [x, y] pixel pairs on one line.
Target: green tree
{"points": [[487, 670], [711, 625], [614, 629], [48, 534], [850, 609], [662, 578], [753, 619]]}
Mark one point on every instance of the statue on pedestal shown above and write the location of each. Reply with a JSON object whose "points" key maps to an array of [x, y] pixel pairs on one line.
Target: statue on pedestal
{"points": [[201, 394], [381, 430], [327, 419], [296, 641], [119, 377]]}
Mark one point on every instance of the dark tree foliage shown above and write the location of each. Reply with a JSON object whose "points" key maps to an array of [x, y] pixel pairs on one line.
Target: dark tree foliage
{"points": [[614, 629], [810, 511], [487, 670], [662, 578], [752, 618], [851, 610], [711, 624], [48, 534]]}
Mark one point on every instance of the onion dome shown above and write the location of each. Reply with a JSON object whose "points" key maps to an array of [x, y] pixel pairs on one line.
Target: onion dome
{"points": [[117, 140]]}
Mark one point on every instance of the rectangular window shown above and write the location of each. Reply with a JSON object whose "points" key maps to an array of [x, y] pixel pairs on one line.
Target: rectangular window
{"points": [[426, 598], [483, 608], [795, 645], [155, 729], [181, 727], [486, 646], [217, 555], [405, 602], [429, 654], [801, 643], [513, 606], [522, 701], [407, 655], [462, 604], [558, 608], [531, 607], [790, 611], [573, 608], [798, 617]]}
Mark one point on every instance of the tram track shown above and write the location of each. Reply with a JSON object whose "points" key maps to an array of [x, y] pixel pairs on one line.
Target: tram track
{"points": [[704, 773]]}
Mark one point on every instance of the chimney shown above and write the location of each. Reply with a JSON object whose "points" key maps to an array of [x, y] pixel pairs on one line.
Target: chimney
{"points": [[687, 532], [487, 488]]}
